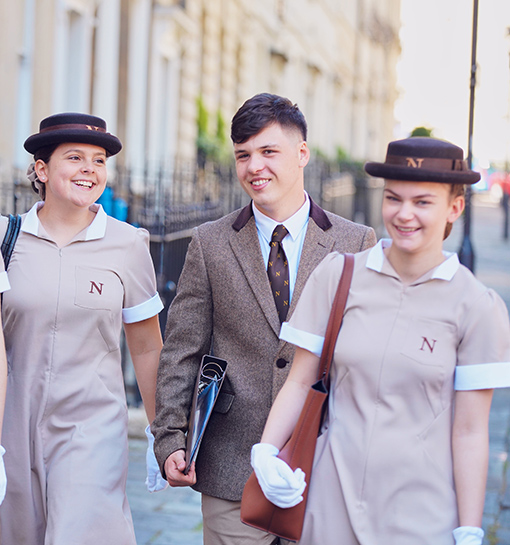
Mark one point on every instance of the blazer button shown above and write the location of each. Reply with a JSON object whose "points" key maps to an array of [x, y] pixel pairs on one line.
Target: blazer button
{"points": [[281, 363]]}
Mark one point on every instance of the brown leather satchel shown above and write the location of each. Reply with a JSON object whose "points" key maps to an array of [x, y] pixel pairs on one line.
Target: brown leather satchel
{"points": [[256, 509]]}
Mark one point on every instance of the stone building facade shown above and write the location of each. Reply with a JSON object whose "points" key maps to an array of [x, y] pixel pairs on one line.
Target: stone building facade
{"points": [[149, 66]]}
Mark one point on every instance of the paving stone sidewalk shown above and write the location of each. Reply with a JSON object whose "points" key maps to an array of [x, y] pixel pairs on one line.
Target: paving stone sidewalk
{"points": [[168, 517], [173, 516]]}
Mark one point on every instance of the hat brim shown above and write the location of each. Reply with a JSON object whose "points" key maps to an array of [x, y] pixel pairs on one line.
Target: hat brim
{"points": [[405, 173], [106, 140]]}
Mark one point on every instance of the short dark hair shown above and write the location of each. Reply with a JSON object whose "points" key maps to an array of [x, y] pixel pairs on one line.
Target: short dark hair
{"points": [[263, 110]]}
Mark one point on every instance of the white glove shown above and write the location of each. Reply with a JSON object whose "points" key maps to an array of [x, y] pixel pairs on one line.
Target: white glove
{"points": [[280, 484], [154, 480], [468, 535], [3, 476]]}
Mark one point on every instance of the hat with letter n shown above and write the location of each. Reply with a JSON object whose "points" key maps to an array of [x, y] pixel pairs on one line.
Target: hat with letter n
{"points": [[424, 159], [73, 127]]}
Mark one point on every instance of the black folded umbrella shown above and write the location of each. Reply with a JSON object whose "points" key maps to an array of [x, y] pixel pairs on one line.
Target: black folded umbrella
{"points": [[207, 388]]}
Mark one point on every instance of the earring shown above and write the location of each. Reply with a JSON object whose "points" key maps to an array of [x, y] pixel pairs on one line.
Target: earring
{"points": [[43, 178]]}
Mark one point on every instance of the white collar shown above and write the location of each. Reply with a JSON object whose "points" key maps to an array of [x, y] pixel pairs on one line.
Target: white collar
{"points": [[96, 230], [445, 271], [294, 224]]}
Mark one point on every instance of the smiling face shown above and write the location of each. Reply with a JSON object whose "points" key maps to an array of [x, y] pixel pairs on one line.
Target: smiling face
{"points": [[75, 175], [270, 169], [415, 215]]}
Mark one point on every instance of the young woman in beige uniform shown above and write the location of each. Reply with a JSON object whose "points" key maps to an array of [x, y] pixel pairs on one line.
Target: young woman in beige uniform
{"points": [[76, 277], [403, 456]]}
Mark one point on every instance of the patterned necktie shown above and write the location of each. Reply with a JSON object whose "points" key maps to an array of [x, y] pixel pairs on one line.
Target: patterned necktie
{"points": [[278, 272]]}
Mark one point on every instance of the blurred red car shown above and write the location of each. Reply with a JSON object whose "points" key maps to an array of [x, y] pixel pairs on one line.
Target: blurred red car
{"points": [[499, 182]]}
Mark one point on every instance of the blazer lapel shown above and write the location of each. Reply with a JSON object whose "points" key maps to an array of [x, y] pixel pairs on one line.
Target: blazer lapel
{"points": [[317, 245], [246, 247]]}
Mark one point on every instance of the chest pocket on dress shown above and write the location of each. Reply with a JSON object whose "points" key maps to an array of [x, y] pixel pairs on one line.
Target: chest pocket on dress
{"points": [[430, 342], [97, 289]]}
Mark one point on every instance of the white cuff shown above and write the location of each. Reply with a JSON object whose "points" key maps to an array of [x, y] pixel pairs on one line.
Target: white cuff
{"points": [[145, 310], [481, 376], [309, 341]]}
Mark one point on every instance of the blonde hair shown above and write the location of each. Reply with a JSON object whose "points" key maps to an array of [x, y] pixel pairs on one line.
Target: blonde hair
{"points": [[42, 154], [456, 190]]}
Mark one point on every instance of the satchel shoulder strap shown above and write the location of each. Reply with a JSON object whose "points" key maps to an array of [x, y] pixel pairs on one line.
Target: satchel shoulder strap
{"points": [[335, 318], [11, 235]]}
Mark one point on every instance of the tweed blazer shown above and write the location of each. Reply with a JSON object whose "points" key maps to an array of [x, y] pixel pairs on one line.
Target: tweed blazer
{"points": [[224, 305]]}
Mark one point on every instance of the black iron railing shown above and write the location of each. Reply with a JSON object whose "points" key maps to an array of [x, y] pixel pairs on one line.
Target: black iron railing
{"points": [[170, 202]]}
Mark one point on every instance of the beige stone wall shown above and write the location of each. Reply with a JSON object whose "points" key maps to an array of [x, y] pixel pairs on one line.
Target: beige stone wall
{"points": [[336, 61], [11, 55], [143, 65]]}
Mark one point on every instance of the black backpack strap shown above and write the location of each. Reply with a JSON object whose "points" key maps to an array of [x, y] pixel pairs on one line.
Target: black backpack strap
{"points": [[10, 238]]}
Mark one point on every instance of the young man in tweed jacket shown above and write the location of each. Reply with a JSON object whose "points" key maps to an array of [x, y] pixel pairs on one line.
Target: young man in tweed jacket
{"points": [[225, 306]]}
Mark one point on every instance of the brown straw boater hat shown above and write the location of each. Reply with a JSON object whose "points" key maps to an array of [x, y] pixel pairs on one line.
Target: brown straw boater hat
{"points": [[73, 127], [424, 159]]}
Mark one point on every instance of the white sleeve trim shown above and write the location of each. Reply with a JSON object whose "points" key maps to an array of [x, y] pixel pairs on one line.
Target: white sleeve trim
{"points": [[482, 376], [4, 282], [309, 341], [145, 310]]}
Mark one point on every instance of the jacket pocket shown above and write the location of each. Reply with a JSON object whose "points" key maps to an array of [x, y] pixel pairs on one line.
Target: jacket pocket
{"points": [[225, 397]]}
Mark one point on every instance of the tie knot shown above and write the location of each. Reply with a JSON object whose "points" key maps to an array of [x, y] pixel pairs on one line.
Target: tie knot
{"points": [[279, 233]]}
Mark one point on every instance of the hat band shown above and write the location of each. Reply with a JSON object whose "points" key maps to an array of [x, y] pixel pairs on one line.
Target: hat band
{"points": [[73, 126], [427, 163]]}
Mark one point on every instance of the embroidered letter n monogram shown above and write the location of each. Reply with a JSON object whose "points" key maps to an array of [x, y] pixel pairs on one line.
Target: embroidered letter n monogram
{"points": [[96, 287], [429, 345]]}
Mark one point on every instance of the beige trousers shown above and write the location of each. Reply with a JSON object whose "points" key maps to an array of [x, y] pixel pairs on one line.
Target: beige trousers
{"points": [[223, 526]]}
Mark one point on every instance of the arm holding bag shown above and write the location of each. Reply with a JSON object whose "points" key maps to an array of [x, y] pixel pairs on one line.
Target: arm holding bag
{"points": [[299, 451]]}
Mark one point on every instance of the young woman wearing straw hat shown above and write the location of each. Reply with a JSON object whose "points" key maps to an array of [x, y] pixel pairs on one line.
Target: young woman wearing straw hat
{"points": [[77, 276], [403, 455]]}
